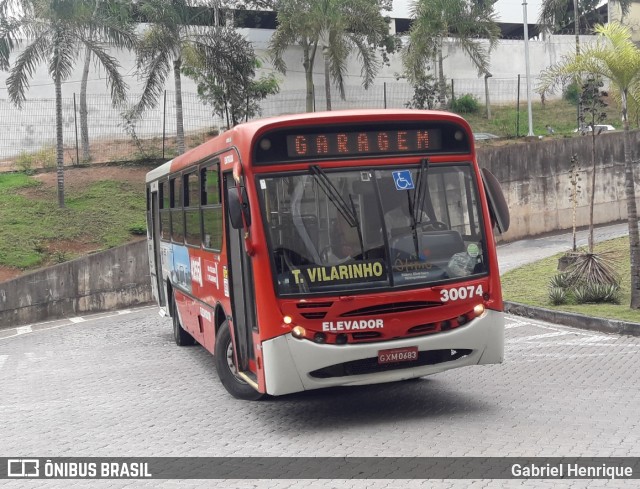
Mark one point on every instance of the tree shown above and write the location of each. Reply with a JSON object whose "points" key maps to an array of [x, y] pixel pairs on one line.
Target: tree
{"points": [[231, 89], [56, 30], [425, 92], [337, 28], [592, 114], [463, 21], [558, 15], [612, 57], [117, 12], [174, 27], [9, 34]]}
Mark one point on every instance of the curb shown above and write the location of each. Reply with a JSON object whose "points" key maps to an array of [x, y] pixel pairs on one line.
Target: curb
{"points": [[574, 320]]}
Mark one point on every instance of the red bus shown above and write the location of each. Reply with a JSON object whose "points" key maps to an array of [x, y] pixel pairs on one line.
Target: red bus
{"points": [[330, 249]]}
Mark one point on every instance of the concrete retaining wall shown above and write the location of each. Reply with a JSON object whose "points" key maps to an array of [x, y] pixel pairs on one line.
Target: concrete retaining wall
{"points": [[113, 279], [535, 178]]}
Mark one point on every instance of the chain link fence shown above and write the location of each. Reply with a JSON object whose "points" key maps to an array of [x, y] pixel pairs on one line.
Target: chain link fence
{"points": [[29, 133]]}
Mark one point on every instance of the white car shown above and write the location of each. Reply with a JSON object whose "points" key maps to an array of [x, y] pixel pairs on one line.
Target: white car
{"points": [[599, 128], [481, 136]]}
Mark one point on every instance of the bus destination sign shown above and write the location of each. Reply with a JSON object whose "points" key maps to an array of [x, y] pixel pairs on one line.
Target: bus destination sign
{"points": [[354, 143]]}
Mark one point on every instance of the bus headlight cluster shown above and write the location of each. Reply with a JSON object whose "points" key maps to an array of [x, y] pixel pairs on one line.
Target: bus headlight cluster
{"points": [[298, 332]]}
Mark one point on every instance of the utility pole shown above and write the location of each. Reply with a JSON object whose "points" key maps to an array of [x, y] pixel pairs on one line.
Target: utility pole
{"points": [[487, 75], [526, 62]]}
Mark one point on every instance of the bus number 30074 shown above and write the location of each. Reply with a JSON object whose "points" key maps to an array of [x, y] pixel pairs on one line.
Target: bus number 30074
{"points": [[460, 293]]}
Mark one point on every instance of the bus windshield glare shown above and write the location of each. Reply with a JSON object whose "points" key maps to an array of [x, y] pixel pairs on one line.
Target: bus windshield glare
{"points": [[339, 231]]}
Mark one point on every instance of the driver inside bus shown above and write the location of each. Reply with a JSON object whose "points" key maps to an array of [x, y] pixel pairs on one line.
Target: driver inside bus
{"points": [[398, 217], [344, 241]]}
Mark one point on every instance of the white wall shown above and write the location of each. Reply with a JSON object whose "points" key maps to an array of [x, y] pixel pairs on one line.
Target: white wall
{"points": [[507, 61], [34, 126]]}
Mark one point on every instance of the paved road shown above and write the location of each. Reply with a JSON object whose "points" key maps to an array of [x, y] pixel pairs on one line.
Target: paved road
{"points": [[518, 253], [116, 385]]}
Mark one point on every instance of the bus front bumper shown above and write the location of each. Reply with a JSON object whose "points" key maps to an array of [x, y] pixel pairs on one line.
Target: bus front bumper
{"points": [[292, 365]]}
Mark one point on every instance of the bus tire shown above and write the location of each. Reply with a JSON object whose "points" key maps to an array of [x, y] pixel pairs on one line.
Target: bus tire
{"points": [[224, 360], [180, 335]]}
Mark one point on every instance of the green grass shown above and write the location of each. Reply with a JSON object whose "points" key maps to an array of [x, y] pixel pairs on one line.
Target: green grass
{"points": [[559, 114], [529, 284], [14, 181], [99, 216]]}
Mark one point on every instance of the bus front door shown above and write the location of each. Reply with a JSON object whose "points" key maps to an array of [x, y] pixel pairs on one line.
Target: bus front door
{"points": [[241, 290], [155, 257]]}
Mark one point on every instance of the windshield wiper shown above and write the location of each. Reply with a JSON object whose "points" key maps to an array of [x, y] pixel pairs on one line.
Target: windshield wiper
{"points": [[420, 192], [415, 206], [348, 212]]}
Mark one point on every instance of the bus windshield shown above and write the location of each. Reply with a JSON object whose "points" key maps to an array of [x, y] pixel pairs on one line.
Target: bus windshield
{"points": [[344, 230]]}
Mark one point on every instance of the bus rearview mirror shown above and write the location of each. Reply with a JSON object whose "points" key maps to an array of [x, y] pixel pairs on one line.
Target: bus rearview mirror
{"points": [[498, 206], [239, 215]]}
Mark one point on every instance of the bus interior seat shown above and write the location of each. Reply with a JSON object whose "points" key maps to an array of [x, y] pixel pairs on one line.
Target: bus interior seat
{"points": [[442, 245], [437, 246]]}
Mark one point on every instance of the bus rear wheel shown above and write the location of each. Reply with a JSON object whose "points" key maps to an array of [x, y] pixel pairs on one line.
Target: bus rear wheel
{"points": [[226, 368], [180, 335]]}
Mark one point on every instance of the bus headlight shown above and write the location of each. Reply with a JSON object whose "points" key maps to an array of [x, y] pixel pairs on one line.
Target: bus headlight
{"points": [[298, 332], [478, 310]]}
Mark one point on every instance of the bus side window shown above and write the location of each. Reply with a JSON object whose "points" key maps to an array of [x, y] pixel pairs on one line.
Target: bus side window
{"points": [[211, 207], [192, 209], [177, 217], [165, 212]]}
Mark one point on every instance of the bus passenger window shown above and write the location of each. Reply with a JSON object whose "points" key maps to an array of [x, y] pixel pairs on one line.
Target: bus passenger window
{"points": [[177, 217], [192, 211], [165, 219], [211, 208]]}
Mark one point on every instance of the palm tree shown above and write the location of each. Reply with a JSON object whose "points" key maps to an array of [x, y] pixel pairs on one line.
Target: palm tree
{"points": [[337, 28], [557, 15], [56, 30], [613, 57], [174, 29], [115, 11], [463, 21], [9, 35]]}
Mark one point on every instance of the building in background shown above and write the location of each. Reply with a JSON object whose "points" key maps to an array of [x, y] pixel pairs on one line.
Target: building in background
{"points": [[25, 130]]}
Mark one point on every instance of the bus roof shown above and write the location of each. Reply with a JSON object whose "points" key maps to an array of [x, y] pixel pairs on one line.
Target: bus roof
{"points": [[337, 115], [242, 135]]}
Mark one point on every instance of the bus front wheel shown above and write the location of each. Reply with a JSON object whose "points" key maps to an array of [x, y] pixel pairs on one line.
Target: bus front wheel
{"points": [[180, 335], [225, 365]]}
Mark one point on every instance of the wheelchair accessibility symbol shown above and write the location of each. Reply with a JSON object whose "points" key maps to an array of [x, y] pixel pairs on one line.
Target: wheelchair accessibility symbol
{"points": [[403, 180]]}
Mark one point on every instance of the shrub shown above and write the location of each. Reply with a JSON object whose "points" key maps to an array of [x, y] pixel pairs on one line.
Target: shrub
{"points": [[592, 268], [557, 295], [603, 293], [60, 256], [571, 93], [466, 104], [597, 293], [43, 158], [581, 294], [138, 229], [560, 281], [425, 93], [24, 162]]}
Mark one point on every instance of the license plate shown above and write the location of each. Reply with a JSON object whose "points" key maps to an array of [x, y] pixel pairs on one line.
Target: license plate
{"points": [[395, 355]]}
